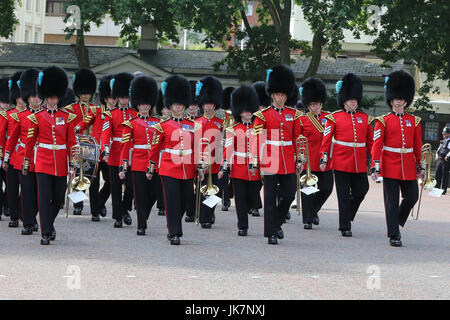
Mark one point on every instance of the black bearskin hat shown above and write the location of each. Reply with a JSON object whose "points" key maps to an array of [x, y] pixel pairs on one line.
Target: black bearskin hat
{"points": [[209, 90], [120, 85], [280, 79], [4, 90], [52, 81], [84, 82], [159, 103], [348, 88], [244, 98], [14, 91], [68, 99], [264, 99], [193, 84], [143, 90], [176, 89], [226, 103], [104, 88], [292, 100], [313, 90], [400, 85], [28, 83]]}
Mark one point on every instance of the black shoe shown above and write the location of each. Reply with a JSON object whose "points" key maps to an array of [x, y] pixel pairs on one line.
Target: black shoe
{"points": [[53, 236], [141, 232], [315, 221], [189, 219], [161, 212], [127, 219], [242, 232], [280, 234], [35, 227], [45, 241], [206, 225], [294, 206], [77, 211], [255, 213], [6, 212], [213, 219], [288, 216], [307, 226], [175, 240], [95, 218], [225, 208], [272, 240], [346, 233], [27, 230], [118, 224], [103, 211], [395, 242], [14, 224]]}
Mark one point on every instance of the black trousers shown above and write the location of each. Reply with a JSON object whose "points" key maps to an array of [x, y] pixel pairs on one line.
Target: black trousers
{"points": [[190, 208], [224, 192], [3, 198], [13, 182], [398, 214], [351, 188], [157, 186], [207, 213], [144, 195], [29, 198], [120, 204], [442, 170], [311, 204], [258, 202], [51, 192], [177, 196], [97, 196], [245, 193], [273, 213]]}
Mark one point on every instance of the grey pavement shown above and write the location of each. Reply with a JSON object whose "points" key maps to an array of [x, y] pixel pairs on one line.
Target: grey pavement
{"points": [[92, 260]]}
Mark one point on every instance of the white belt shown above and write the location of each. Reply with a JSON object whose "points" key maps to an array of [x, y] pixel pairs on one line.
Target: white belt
{"points": [[351, 144], [279, 143], [117, 139], [398, 150], [242, 154], [179, 152], [142, 146], [52, 146]]}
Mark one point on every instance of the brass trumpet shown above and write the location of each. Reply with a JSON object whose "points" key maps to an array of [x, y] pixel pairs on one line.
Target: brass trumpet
{"points": [[209, 189], [430, 181], [308, 179]]}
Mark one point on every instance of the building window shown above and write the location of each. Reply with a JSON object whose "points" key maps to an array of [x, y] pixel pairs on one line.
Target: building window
{"points": [[431, 131], [249, 9], [55, 8], [27, 36], [38, 6], [28, 5]]}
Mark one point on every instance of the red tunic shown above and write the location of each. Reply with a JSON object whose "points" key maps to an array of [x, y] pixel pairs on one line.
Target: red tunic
{"points": [[176, 140], [312, 128], [212, 129], [3, 128], [273, 142], [237, 151], [81, 110], [55, 136], [12, 120], [397, 145], [112, 132], [353, 140], [94, 118], [137, 137]]}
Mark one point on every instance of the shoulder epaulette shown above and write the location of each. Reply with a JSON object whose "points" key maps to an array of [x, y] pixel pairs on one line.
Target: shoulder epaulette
{"points": [[230, 130], [259, 114], [371, 119], [70, 107], [163, 119], [93, 109], [108, 113], [381, 119], [32, 118], [298, 113], [158, 127], [330, 117], [197, 126], [128, 123], [418, 119], [71, 117], [3, 113], [15, 116], [336, 111]]}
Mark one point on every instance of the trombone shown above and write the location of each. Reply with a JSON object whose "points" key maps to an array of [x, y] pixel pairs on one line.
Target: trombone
{"points": [[209, 189], [430, 181], [308, 179]]}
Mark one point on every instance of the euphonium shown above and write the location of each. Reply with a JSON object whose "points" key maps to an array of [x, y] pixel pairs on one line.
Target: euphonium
{"points": [[80, 183], [430, 182]]}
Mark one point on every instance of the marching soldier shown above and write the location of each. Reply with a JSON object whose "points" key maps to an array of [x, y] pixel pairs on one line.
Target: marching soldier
{"points": [[12, 175], [314, 95], [84, 85], [396, 153], [443, 161], [52, 132], [175, 136], [276, 129], [209, 92], [4, 107], [19, 134], [111, 146], [353, 136], [193, 111], [237, 154], [137, 136]]}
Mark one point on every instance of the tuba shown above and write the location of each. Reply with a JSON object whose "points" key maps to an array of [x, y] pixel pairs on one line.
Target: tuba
{"points": [[429, 182], [209, 189], [308, 179]]}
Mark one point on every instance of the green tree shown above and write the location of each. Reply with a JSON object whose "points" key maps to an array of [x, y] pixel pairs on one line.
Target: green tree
{"points": [[8, 19], [417, 31]]}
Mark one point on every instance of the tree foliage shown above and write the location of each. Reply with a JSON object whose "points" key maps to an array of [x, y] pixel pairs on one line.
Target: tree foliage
{"points": [[8, 19]]}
